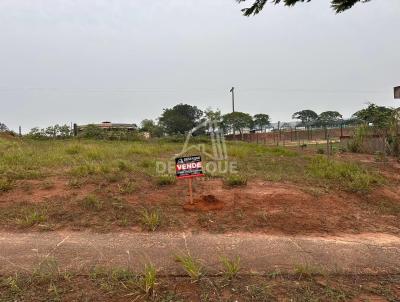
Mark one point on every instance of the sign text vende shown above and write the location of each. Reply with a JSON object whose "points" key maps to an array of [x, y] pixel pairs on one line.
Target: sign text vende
{"points": [[187, 167]]}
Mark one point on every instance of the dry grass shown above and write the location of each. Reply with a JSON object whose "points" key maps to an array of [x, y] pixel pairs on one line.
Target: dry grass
{"points": [[51, 284]]}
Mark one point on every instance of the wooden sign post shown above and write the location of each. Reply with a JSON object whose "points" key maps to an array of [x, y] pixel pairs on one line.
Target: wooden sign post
{"points": [[190, 191], [189, 167]]}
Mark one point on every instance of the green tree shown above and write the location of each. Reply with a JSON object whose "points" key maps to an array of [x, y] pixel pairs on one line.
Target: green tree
{"points": [[215, 117], [237, 121], [3, 127], [329, 118], [147, 125], [64, 131], [379, 116], [92, 131], [258, 5], [180, 119], [261, 121], [307, 117], [151, 127]]}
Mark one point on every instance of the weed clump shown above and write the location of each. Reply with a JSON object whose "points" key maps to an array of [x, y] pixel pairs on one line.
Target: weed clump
{"points": [[231, 267], [235, 180], [165, 180], [147, 281], [92, 202], [150, 219], [127, 187], [124, 166], [5, 184], [33, 217], [191, 266]]}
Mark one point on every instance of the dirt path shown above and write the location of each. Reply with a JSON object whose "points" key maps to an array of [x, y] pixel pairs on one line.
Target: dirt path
{"points": [[366, 253]]}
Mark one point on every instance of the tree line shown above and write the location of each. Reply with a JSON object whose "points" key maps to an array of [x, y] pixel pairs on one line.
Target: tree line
{"points": [[182, 118]]}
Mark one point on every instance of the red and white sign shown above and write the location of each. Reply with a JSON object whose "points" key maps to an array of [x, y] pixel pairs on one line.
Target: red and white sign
{"points": [[188, 167]]}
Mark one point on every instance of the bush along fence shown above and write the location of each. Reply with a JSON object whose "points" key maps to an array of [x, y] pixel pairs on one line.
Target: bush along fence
{"points": [[360, 139], [294, 136]]}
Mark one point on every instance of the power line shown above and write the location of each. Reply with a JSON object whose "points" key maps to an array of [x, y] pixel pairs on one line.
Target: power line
{"points": [[171, 90]]}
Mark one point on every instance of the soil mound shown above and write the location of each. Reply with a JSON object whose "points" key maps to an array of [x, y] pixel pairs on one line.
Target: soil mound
{"points": [[205, 203]]}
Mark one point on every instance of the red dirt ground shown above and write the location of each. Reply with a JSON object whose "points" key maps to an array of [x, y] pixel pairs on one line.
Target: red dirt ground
{"points": [[269, 207]]}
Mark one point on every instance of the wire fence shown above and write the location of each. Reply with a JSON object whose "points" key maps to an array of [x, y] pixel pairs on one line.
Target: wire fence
{"points": [[294, 136]]}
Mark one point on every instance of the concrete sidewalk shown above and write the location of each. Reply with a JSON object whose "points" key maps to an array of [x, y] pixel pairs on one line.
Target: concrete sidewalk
{"points": [[76, 251]]}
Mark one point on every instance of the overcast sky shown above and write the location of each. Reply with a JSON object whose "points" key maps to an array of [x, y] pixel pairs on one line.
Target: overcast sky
{"points": [[65, 61]]}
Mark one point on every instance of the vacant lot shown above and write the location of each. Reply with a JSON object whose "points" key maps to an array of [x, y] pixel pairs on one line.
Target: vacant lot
{"points": [[110, 186], [104, 186]]}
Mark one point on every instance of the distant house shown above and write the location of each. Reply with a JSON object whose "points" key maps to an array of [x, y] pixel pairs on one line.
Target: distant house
{"points": [[109, 126], [112, 126]]}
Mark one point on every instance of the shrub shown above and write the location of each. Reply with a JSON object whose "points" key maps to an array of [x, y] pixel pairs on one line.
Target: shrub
{"points": [[150, 219], [164, 180], [191, 266], [235, 180], [320, 151], [231, 266], [92, 131], [355, 145]]}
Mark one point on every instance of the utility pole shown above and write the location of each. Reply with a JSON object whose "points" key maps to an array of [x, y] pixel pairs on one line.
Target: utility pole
{"points": [[233, 98]]}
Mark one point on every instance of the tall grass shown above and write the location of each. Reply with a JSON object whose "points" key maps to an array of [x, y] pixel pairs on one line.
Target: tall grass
{"points": [[191, 266], [231, 267], [147, 281], [150, 219], [351, 176]]}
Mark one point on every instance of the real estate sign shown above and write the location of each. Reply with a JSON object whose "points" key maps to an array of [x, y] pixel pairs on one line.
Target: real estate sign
{"points": [[188, 167]]}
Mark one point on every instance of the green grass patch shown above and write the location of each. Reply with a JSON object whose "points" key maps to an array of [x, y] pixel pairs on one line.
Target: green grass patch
{"points": [[32, 217], [92, 202], [192, 266], [235, 180], [150, 219], [165, 180], [388, 207], [231, 267], [351, 176]]}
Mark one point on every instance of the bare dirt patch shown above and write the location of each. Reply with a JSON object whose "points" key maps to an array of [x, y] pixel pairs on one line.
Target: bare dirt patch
{"points": [[205, 203], [261, 206], [36, 191]]}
